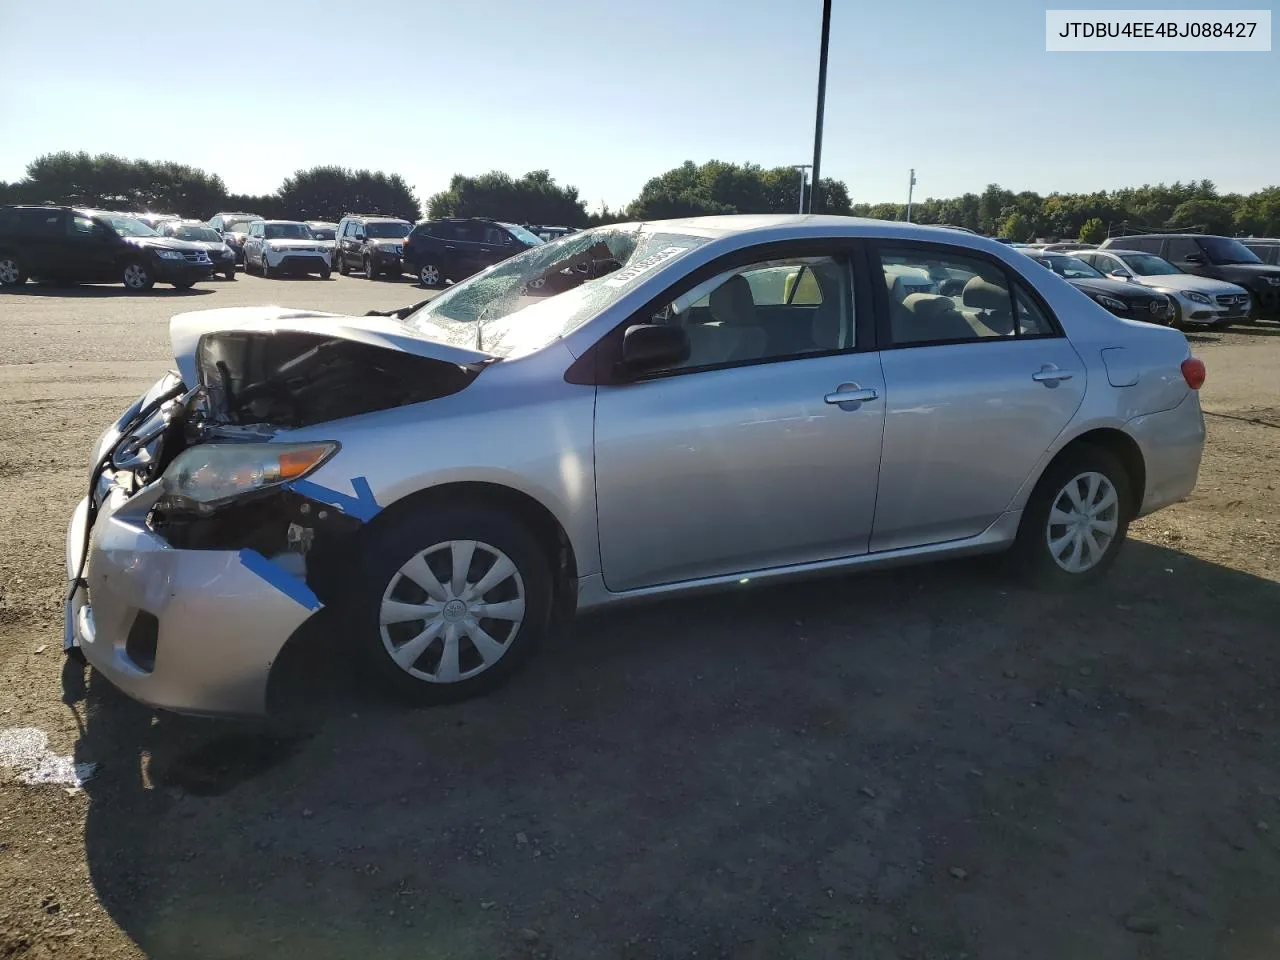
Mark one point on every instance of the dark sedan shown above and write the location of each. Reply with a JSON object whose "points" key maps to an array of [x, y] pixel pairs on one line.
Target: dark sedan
{"points": [[1123, 299], [207, 238]]}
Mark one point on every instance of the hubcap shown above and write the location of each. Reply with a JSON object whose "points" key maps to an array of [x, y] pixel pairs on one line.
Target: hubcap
{"points": [[134, 276], [1083, 520], [429, 275], [452, 611], [9, 270]]}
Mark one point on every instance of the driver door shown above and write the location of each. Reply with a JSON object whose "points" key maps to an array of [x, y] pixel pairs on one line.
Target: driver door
{"points": [[743, 457]]}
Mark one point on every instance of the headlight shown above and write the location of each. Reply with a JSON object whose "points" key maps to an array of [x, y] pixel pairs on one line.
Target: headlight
{"points": [[1197, 297], [213, 473], [1274, 281], [170, 254], [1111, 303]]}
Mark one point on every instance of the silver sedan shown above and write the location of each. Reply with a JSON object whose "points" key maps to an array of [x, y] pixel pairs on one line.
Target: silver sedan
{"points": [[631, 412]]}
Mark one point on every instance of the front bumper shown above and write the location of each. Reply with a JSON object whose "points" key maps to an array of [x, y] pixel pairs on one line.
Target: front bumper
{"points": [[388, 262], [181, 271], [293, 261], [218, 627]]}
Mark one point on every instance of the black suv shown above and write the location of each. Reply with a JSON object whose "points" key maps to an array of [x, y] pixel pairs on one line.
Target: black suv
{"points": [[371, 243], [440, 250], [1222, 258], [93, 246]]}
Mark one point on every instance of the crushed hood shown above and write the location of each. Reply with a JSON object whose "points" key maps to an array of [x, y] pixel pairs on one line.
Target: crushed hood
{"points": [[452, 344]]}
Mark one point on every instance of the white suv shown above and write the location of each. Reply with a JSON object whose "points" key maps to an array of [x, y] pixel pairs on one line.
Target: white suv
{"points": [[285, 246]]}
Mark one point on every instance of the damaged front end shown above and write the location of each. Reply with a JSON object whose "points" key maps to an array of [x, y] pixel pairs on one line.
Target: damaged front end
{"points": [[201, 545]]}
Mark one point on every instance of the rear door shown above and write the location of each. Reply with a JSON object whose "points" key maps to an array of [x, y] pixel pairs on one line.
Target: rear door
{"points": [[494, 244], [1179, 248], [43, 248], [979, 380], [462, 247], [92, 249]]}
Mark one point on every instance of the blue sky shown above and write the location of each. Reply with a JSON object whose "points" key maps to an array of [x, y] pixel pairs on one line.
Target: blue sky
{"points": [[607, 95]]}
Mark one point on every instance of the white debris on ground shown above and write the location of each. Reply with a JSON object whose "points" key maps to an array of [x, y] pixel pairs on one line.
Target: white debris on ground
{"points": [[26, 749]]}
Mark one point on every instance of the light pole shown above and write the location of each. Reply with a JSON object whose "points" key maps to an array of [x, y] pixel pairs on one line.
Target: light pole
{"points": [[822, 101], [802, 167], [911, 182]]}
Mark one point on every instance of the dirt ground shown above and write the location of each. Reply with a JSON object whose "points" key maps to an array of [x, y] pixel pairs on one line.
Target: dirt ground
{"points": [[928, 763]]}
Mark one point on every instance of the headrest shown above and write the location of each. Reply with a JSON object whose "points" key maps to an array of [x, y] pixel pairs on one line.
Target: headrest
{"points": [[732, 302], [983, 295], [926, 306]]}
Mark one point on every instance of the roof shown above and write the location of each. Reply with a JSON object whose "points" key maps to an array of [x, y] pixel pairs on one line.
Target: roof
{"points": [[374, 216], [269, 222], [796, 224]]}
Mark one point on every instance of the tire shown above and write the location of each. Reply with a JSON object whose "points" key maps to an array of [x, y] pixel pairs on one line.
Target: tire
{"points": [[230, 274], [326, 273], [430, 275], [369, 272], [1079, 469], [427, 541], [12, 273], [343, 269], [137, 276], [267, 272]]}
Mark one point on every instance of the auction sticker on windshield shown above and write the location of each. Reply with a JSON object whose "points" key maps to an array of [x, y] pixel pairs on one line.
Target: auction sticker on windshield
{"points": [[644, 265]]}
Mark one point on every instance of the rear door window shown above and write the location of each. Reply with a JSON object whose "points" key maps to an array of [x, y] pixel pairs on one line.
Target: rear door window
{"points": [[42, 223], [1181, 247]]}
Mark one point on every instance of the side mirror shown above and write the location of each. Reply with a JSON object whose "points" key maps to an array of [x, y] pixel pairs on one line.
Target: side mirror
{"points": [[650, 346], [1193, 258], [1120, 275]]}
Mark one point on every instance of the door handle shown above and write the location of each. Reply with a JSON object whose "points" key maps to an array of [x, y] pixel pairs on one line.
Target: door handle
{"points": [[851, 393], [449, 246], [1050, 374]]}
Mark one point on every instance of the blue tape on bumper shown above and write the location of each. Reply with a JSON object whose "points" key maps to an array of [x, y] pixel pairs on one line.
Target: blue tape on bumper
{"points": [[362, 506], [280, 578]]}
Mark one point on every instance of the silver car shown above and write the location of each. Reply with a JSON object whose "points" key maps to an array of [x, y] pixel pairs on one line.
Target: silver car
{"points": [[631, 412], [1200, 301]]}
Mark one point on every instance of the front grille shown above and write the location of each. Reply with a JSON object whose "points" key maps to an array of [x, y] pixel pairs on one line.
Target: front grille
{"points": [[198, 256], [1232, 299]]}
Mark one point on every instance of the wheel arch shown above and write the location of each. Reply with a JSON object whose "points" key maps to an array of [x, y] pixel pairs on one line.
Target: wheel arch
{"points": [[1121, 446], [542, 523]]}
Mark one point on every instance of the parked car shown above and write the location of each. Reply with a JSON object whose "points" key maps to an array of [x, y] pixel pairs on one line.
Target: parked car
{"points": [[75, 245], [153, 220], [704, 409], [1219, 258], [1067, 246], [234, 227], [371, 243], [1266, 250], [1195, 300], [327, 233], [208, 239], [454, 249], [546, 233], [1123, 299], [274, 247]]}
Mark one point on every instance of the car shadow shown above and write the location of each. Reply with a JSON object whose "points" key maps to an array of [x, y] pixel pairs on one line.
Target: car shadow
{"points": [[101, 290], [931, 755]]}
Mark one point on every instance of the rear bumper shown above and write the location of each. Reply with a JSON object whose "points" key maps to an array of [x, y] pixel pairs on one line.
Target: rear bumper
{"points": [[217, 629], [1172, 443]]}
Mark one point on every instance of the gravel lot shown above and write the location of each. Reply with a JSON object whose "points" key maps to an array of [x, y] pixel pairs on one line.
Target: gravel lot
{"points": [[926, 763]]}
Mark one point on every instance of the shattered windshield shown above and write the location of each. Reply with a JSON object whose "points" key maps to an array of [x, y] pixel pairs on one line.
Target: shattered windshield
{"points": [[526, 302]]}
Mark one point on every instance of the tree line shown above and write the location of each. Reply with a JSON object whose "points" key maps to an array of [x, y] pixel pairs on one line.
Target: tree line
{"points": [[714, 187]]}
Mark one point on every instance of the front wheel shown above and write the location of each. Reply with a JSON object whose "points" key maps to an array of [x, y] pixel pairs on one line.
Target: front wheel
{"points": [[12, 273], [137, 276], [267, 271], [230, 274], [446, 604], [326, 273], [429, 275], [369, 272], [343, 269], [1075, 520]]}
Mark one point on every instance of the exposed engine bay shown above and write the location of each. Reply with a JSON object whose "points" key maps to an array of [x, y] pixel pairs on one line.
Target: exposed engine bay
{"points": [[253, 384]]}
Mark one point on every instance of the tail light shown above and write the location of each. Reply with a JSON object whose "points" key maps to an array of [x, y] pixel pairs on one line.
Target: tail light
{"points": [[1193, 372]]}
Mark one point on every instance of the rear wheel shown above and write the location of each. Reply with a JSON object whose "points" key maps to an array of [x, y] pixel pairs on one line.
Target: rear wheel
{"points": [[1076, 519], [446, 604], [137, 276], [12, 273]]}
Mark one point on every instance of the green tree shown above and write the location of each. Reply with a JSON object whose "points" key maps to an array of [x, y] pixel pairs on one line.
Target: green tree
{"points": [[329, 193], [534, 198], [718, 187], [1093, 231], [1017, 227], [112, 182], [1209, 214]]}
